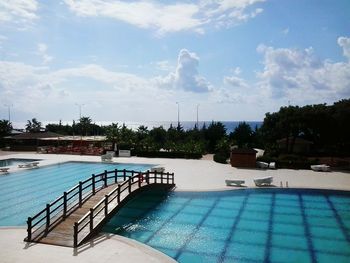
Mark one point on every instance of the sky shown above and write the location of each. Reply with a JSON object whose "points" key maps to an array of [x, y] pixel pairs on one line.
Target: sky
{"points": [[144, 60]]}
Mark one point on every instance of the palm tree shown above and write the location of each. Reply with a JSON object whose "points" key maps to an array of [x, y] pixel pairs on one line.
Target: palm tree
{"points": [[33, 125]]}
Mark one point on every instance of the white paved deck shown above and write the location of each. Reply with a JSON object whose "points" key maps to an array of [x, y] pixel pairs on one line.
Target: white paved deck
{"points": [[194, 175]]}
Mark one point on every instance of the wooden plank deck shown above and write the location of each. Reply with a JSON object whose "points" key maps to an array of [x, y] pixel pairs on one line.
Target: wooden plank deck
{"points": [[62, 233]]}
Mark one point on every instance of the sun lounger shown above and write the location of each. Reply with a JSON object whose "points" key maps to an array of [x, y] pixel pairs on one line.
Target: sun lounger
{"points": [[321, 168], [107, 157], [262, 165], [158, 169], [263, 181], [4, 170], [272, 165], [29, 165], [234, 182]]}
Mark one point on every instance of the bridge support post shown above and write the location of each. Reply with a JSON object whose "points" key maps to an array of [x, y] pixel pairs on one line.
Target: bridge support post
{"points": [[140, 179], [116, 175], [47, 217], [172, 177], [129, 186], [105, 178], [75, 235], [167, 177], [124, 174], [91, 219], [29, 230], [106, 205], [80, 193], [64, 204], [147, 177], [93, 184], [118, 193], [132, 175], [161, 177], [155, 177]]}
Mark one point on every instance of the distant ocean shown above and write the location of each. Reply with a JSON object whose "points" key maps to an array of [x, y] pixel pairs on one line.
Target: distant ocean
{"points": [[229, 125]]}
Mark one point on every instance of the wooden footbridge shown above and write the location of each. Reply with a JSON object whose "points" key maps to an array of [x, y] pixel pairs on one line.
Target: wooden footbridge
{"points": [[80, 212]]}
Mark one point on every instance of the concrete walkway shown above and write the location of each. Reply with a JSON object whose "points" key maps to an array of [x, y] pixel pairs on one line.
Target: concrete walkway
{"points": [[190, 175], [105, 248]]}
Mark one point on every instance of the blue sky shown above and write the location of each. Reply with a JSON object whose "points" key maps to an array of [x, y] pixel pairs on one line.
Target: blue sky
{"points": [[133, 60]]}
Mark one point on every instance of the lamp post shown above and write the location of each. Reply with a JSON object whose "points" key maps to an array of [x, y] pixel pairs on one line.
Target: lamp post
{"points": [[79, 105], [178, 114], [9, 110]]}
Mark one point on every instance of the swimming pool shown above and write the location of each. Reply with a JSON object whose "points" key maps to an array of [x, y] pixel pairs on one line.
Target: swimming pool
{"points": [[15, 161], [25, 193], [261, 225]]}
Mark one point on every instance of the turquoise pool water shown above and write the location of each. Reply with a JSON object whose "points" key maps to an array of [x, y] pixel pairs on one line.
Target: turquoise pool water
{"points": [[25, 193], [240, 226], [15, 161]]}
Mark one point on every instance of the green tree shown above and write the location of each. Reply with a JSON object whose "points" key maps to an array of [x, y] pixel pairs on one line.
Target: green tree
{"points": [[157, 137], [33, 125], [242, 135], [5, 127], [142, 138], [126, 137], [59, 128], [212, 134], [113, 133], [85, 126]]}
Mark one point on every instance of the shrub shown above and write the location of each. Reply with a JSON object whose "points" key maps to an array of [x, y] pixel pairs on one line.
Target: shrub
{"points": [[157, 154], [220, 157], [294, 162]]}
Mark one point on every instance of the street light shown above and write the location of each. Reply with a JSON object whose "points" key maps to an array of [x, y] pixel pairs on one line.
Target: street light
{"points": [[9, 110], [178, 114], [79, 105]]}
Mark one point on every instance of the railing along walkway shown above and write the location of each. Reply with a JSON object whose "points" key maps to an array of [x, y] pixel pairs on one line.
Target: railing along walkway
{"points": [[75, 215]]}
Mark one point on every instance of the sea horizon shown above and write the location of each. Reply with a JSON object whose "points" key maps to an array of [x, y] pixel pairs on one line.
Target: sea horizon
{"points": [[229, 125]]}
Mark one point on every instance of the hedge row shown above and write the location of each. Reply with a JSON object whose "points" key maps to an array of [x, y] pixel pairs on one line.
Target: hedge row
{"points": [[155, 154]]}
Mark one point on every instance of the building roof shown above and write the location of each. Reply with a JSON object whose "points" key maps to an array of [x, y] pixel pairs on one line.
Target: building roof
{"points": [[75, 138], [34, 135]]}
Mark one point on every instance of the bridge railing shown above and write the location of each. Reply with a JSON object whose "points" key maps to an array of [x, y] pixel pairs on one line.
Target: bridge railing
{"points": [[91, 220], [41, 223]]}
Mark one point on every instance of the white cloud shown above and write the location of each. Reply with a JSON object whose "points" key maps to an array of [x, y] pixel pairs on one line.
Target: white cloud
{"points": [[186, 76], [285, 31], [2, 40], [164, 18], [26, 86], [163, 65], [42, 52], [300, 76], [344, 42], [18, 11], [236, 82], [236, 71]]}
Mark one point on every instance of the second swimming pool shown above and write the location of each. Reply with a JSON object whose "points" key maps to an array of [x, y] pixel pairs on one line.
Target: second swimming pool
{"points": [[25, 193], [15, 161], [261, 225]]}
